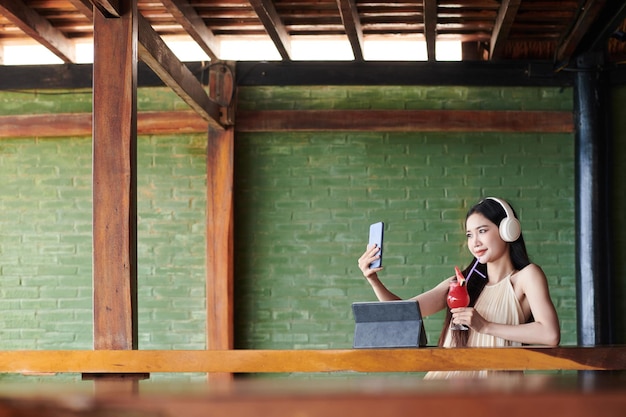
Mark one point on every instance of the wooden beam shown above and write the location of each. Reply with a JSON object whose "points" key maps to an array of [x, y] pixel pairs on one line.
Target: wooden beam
{"points": [[502, 28], [154, 123], [609, 20], [588, 14], [430, 28], [85, 7], [109, 8], [38, 28], [405, 121], [278, 361], [115, 179], [352, 26], [380, 73], [155, 53], [188, 18], [274, 26], [324, 73], [220, 240], [80, 124]]}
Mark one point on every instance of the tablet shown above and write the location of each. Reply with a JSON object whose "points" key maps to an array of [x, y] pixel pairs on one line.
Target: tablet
{"points": [[388, 324]]}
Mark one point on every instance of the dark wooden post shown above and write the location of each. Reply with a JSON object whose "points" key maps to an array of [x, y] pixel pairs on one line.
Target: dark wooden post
{"points": [[593, 238]]}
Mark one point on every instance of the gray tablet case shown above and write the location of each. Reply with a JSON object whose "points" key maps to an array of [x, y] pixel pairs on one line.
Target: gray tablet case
{"points": [[388, 324]]}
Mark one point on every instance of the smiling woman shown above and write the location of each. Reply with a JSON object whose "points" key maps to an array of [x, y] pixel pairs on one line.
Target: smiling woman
{"points": [[509, 306]]}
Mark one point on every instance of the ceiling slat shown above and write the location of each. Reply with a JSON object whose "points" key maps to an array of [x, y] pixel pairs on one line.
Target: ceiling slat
{"points": [[352, 25], [39, 29], [547, 30], [430, 27], [504, 21], [109, 8], [188, 18], [273, 26], [588, 14]]}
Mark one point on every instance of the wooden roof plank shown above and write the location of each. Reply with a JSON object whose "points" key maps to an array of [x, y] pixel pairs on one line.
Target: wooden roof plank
{"points": [[188, 18], [430, 28], [352, 25], [39, 29], [504, 21], [109, 8], [589, 13], [274, 26], [85, 7]]}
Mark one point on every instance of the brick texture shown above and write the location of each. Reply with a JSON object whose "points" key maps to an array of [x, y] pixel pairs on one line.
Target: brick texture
{"points": [[305, 200], [303, 204]]}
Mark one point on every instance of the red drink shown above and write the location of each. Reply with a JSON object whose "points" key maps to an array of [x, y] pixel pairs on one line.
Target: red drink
{"points": [[457, 295]]}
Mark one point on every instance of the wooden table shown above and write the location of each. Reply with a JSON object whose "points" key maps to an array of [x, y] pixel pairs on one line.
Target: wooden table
{"points": [[281, 361], [586, 393], [564, 381]]}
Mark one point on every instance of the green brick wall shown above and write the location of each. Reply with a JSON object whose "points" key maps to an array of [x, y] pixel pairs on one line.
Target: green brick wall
{"points": [[45, 232], [303, 204]]}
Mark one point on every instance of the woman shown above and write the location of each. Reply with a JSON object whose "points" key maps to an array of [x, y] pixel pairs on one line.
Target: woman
{"points": [[510, 302]]}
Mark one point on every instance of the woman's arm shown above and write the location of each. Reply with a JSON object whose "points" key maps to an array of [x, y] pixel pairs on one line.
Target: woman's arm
{"points": [[434, 300], [430, 302], [544, 330], [370, 255]]}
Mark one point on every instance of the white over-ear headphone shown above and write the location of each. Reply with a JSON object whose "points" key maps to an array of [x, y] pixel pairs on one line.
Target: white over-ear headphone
{"points": [[510, 228]]}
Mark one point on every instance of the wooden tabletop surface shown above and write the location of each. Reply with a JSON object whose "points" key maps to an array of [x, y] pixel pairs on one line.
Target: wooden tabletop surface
{"points": [[571, 394]]}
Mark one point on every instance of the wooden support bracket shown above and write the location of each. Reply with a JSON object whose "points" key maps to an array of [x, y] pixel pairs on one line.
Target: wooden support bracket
{"points": [[222, 90]]}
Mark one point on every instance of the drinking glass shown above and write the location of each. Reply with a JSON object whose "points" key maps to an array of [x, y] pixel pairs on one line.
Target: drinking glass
{"points": [[458, 297]]}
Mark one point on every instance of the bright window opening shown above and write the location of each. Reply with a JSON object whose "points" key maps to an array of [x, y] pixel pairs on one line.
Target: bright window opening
{"points": [[258, 49]]}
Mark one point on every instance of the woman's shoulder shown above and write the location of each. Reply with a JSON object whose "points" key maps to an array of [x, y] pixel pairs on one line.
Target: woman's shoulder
{"points": [[531, 269], [531, 274]]}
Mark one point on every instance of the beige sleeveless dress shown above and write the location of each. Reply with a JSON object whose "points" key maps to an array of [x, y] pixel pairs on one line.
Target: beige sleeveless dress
{"points": [[498, 304]]}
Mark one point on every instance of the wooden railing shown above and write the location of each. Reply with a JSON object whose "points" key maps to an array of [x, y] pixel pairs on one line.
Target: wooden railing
{"points": [[577, 394], [289, 361]]}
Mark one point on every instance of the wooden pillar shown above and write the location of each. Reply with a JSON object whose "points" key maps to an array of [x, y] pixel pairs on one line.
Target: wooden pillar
{"points": [[220, 218], [594, 280], [220, 242], [114, 179]]}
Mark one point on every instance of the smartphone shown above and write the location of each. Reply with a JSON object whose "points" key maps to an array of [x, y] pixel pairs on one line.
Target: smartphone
{"points": [[376, 237]]}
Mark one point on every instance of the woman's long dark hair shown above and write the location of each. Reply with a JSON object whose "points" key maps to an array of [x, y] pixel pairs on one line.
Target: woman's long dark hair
{"points": [[493, 211]]}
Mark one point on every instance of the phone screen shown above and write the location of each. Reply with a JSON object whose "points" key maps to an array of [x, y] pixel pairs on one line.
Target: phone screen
{"points": [[376, 237]]}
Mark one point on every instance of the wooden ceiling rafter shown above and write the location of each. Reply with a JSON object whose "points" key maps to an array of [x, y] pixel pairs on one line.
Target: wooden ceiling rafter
{"points": [[109, 8], [39, 29], [188, 18], [274, 26], [352, 25], [502, 28], [156, 54], [85, 7], [430, 28], [508, 29], [589, 12]]}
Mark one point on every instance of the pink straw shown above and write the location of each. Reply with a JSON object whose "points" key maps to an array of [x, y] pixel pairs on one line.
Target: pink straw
{"points": [[474, 269]]}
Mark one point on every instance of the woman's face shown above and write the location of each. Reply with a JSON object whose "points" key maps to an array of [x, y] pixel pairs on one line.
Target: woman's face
{"points": [[483, 239]]}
